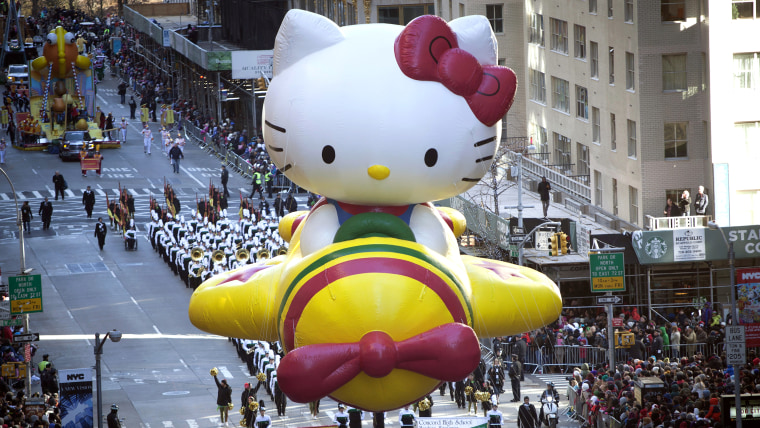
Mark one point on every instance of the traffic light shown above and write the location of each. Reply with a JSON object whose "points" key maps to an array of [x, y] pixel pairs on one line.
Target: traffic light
{"points": [[563, 242], [554, 242]]}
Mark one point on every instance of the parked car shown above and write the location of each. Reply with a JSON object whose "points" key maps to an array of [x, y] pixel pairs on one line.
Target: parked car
{"points": [[72, 143]]}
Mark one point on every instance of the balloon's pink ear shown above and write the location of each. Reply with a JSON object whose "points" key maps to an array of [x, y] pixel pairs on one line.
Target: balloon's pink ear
{"points": [[301, 34]]}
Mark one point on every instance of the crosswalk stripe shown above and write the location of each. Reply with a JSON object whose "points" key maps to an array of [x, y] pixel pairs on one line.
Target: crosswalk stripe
{"points": [[4, 196], [225, 372], [37, 194], [100, 192], [191, 423], [20, 195], [167, 424], [69, 192]]}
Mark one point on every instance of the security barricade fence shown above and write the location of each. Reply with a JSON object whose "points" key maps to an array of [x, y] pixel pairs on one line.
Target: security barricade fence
{"points": [[579, 410], [228, 157], [562, 359]]}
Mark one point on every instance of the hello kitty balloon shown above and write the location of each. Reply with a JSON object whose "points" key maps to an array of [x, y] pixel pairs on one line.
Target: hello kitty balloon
{"points": [[373, 302]]}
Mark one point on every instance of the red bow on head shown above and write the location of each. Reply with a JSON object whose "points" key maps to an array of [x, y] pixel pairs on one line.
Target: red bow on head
{"points": [[449, 352], [427, 49]]}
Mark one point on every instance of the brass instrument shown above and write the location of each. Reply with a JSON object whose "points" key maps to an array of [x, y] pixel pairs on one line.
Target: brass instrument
{"points": [[196, 254], [424, 404], [263, 254], [217, 256], [242, 255], [282, 251]]}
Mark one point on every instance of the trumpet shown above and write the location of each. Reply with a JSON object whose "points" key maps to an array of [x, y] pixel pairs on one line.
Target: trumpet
{"points": [[196, 253], [263, 254], [217, 256], [242, 255]]}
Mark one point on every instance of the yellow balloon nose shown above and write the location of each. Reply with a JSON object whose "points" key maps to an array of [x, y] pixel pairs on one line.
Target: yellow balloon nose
{"points": [[379, 172]]}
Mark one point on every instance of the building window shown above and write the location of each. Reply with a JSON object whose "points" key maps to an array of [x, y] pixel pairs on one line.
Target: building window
{"points": [[461, 10], [402, 15], [561, 94], [674, 72], [704, 72], [614, 197], [745, 9], [494, 15], [746, 70], [631, 139], [613, 133], [596, 128], [594, 60], [580, 41], [584, 169], [629, 11], [609, 8], [559, 35], [537, 86], [581, 102], [630, 72], [540, 139], [592, 7], [598, 189], [612, 65], [562, 152], [675, 140], [537, 29], [748, 133], [672, 10], [633, 208]]}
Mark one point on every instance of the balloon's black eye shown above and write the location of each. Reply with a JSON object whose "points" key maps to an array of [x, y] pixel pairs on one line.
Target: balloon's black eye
{"points": [[431, 157], [328, 154]]}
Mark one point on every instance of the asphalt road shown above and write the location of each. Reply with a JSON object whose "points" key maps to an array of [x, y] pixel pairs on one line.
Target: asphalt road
{"points": [[158, 373]]}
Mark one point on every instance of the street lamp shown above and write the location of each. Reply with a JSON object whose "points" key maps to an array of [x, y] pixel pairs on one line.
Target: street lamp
{"points": [[115, 336], [734, 315]]}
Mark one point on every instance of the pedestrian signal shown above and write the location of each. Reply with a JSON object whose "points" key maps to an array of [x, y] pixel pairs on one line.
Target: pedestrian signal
{"points": [[563, 242], [554, 242]]}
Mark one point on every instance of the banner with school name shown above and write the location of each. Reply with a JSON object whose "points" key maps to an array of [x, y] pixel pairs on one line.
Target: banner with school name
{"points": [[475, 422]]}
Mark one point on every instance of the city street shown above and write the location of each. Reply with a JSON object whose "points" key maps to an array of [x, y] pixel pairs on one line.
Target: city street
{"points": [[158, 373]]}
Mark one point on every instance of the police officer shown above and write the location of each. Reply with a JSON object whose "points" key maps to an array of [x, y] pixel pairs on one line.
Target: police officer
{"points": [[256, 181], [113, 417], [269, 181], [515, 371]]}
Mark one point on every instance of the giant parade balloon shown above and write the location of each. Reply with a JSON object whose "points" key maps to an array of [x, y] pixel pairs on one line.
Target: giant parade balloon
{"points": [[373, 302]]}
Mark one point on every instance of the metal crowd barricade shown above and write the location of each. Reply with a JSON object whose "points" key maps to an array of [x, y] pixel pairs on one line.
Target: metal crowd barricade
{"points": [[566, 357], [675, 352], [230, 158]]}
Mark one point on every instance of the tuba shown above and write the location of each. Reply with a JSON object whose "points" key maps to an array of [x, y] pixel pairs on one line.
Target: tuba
{"points": [[196, 253], [218, 256], [263, 254], [242, 255], [282, 251]]}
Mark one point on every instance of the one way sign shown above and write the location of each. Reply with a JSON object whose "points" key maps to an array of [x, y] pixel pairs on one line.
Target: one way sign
{"points": [[30, 337], [606, 300]]}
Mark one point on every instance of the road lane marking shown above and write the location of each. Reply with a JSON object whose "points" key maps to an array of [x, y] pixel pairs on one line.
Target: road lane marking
{"points": [[223, 370], [191, 176]]}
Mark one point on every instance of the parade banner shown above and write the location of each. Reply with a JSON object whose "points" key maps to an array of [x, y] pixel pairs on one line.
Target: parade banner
{"points": [[451, 422], [76, 398], [748, 302]]}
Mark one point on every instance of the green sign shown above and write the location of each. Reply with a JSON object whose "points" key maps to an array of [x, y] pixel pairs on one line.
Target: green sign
{"points": [[607, 272], [694, 244], [25, 294], [218, 60], [11, 322]]}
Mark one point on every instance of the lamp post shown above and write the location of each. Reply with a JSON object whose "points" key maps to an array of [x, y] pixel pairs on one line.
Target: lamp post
{"points": [[734, 315], [115, 336], [22, 270]]}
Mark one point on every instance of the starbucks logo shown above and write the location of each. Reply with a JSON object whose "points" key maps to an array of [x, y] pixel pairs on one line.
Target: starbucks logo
{"points": [[656, 248]]}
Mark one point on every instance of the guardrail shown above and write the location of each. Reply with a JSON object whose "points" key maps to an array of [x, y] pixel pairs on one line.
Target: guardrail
{"points": [[227, 157], [559, 180], [656, 223]]}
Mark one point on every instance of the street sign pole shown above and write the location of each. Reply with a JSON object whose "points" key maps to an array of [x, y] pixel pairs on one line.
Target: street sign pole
{"points": [[610, 335], [609, 270]]}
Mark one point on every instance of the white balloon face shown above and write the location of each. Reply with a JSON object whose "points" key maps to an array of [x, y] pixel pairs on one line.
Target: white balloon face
{"points": [[346, 123]]}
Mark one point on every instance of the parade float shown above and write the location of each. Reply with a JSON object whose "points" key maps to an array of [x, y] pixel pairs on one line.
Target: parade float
{"points": [[373, 303], [61, 97]]}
